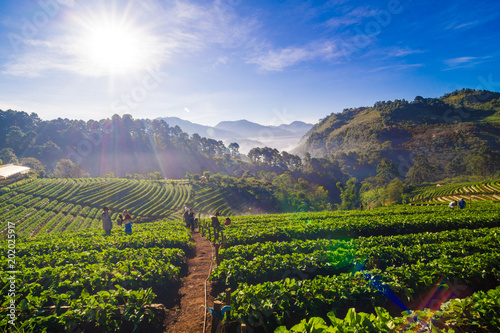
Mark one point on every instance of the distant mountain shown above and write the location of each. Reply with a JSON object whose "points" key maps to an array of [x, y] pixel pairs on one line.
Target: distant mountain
{"points": [[444, 129], [248, 129], [204, 131], [297, 127], [246, 133]]}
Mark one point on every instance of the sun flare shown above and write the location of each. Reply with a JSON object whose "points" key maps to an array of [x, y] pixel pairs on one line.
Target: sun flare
{"points": [[107, 46]]}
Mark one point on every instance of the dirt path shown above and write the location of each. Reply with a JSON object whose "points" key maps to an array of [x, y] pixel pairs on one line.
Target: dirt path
{"points": [[188, 317]]}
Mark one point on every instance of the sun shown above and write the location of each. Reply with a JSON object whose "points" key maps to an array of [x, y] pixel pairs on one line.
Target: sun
{"points": [[114, 49], [113, 45]]}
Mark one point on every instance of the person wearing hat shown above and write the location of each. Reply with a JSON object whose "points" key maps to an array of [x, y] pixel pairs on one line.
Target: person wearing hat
{"points": [[106, 221]]}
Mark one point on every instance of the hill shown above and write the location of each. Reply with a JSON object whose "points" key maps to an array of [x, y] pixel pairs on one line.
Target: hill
{"points": [[452, 126]]}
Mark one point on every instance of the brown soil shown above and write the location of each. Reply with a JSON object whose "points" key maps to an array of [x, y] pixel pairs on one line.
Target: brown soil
{"points": [[187, 316]]}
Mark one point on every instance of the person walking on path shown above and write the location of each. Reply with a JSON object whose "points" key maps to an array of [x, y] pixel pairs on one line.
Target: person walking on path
{"points": [[461, 203], [106, 221], [127, 219]]}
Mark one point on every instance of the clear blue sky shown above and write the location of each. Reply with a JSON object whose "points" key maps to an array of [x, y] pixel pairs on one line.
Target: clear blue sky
{"points": [[270, 62]]}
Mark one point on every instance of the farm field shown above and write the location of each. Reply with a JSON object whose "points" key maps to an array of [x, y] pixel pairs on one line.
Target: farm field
{"points": [[45, 206], [475, 191], [380, 269], [398, 268], [92, 282]]}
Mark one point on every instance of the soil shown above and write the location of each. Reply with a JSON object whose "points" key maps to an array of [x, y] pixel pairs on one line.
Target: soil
{"points": [[188, 313]]}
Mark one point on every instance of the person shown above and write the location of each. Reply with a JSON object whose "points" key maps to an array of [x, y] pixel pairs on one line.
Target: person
{"points": [[186, 216], [216, 225], [191, 220], [127, 219], [461, 203], [215, 220], [106, 221], [453, 204], [227, 221], [120, 219]]}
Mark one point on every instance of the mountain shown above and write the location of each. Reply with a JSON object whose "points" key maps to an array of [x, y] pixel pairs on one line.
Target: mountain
{"points": [[297, 127], [443, 129], [204, 131], [246, 133], [252, 135], [247, 129]]}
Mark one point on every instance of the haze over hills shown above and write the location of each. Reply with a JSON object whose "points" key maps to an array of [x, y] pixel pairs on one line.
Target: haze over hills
{"points": [[246, 133]]}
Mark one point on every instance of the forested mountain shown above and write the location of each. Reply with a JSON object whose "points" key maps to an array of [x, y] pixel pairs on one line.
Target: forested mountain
{"points": [[120, 145], [456, 133]]}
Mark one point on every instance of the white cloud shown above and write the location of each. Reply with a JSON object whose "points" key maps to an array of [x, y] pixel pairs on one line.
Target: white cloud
{"points": [[396, 67], [277, 60], [462, 62], [352, 17], [459, 61]]}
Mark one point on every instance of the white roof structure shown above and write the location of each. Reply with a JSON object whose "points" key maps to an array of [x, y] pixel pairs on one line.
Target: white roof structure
{"points": [[11, 170]]}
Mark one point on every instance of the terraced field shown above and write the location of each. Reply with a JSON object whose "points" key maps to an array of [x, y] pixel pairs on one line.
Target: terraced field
{"points": [[44, 206], [478, 191]]}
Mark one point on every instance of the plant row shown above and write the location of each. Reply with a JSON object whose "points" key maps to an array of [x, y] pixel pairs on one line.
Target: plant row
{"points": [[359, 226], [90, 281], [271, 304], [342, 259], [476, 313]]}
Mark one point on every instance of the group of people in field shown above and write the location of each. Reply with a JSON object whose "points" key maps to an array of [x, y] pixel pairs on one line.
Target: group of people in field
{"points": [[124, 218], [191, 221], [460, 204]]}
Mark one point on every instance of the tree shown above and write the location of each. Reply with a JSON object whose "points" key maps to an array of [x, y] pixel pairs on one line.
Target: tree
{"points": [[65, 168], [35, 165], [387, 170], [483, 163], [349, 194], [155, 175], [292, 162], [7, 156], [421, 171], [234, 148], [395, 191]]}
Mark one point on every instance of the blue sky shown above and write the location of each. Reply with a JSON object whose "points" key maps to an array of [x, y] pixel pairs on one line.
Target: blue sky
{"points": [[270, 62]]}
